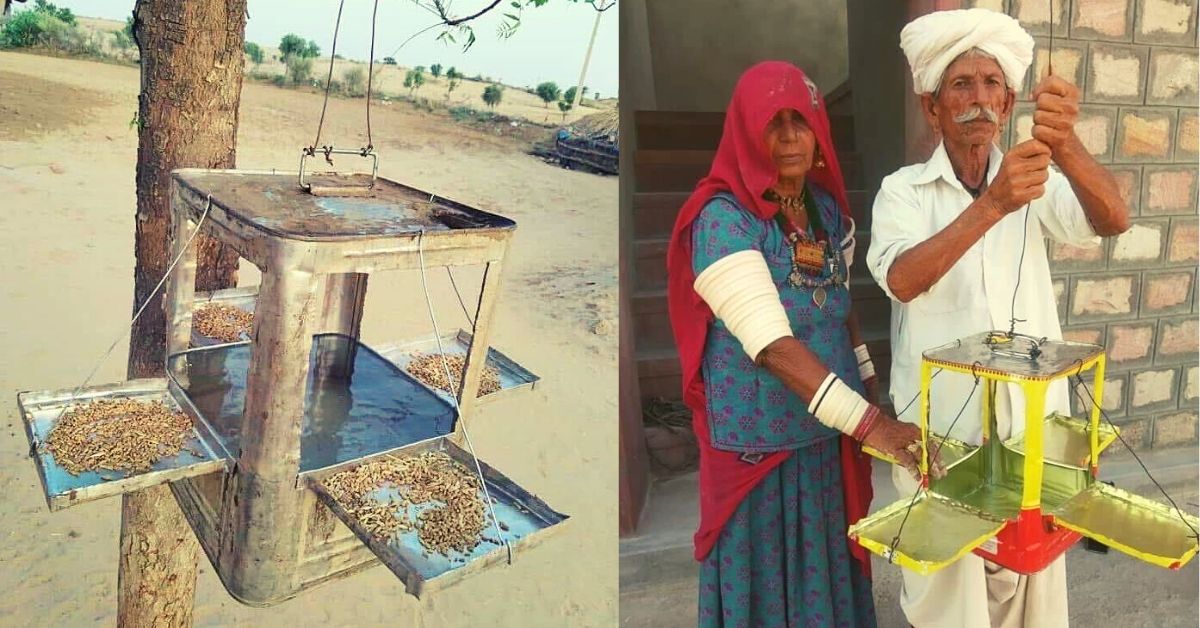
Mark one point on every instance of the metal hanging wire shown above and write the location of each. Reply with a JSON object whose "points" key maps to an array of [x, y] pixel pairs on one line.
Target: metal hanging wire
{"points": [[454, 398], [328, 150], [129, 328]]}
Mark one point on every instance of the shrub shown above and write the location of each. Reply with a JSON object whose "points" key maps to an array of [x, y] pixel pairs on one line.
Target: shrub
{"points": [[436, 70], [299, 69], [355, 80]]}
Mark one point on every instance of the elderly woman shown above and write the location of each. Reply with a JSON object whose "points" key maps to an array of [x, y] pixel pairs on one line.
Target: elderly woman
{"points": [[760, 305]]}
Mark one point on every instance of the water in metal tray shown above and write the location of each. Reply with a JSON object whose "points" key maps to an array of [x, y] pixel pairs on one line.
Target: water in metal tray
{"points": [[376, 408]]}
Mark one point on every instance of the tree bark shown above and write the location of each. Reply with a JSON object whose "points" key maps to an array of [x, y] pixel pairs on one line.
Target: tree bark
{"points": [[192, 64]]}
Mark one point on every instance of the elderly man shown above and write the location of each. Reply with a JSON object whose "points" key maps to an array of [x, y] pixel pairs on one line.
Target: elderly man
{"points": [[957, 243]]}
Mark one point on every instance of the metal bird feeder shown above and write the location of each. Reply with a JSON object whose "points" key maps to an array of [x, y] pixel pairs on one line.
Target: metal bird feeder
{"points": [[1021, 503], [300, 398]]}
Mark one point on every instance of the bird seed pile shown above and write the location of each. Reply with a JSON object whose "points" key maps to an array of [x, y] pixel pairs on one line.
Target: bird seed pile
{"points": [[222, 322], [117, 434], [454, 523], [428, 368]]}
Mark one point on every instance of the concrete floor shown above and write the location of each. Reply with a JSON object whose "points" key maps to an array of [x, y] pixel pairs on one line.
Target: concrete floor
{"points": [[658, 577]]}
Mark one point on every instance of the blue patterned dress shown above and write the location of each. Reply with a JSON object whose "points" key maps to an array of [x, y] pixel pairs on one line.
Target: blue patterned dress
{"points": [[783, 558]]}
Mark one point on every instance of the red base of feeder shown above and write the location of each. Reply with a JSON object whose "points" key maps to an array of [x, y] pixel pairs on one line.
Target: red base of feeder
{"points": [[1029, 543]]}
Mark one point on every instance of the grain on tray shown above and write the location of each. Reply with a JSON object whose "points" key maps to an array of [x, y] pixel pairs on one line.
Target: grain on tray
{"points": [[453, 522], [117, 434], [428, 368], [222, 322]]}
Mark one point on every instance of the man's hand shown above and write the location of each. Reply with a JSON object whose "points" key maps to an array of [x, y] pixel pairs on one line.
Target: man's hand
{"points": [[1021, 179], [1056, 113]]}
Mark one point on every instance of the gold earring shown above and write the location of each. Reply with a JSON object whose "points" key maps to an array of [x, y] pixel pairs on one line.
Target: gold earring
{"points": [[820, 163]]}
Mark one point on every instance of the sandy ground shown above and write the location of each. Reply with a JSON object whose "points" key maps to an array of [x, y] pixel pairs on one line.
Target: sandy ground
{"points": [[67, 156], [516, 102]]}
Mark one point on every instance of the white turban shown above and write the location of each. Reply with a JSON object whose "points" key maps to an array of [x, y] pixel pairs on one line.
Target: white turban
{"points": [[932, 42]]}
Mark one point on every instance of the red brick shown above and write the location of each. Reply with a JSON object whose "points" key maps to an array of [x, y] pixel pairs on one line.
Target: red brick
{"points": [[1103, 296], [1179, 338], [1161, 292], [1141, 243], [1107, 18], [1163, 21], [1144, 135], [1178, 428], [1066, 253], [1113, 402], [1133, 433], [1170, 191], [1187, 144], [1130, 343], [1173, 77], [1183, 245], [1191, 387], [1089, 335], [1127, 185], [1116, 73], [1152, 388]]}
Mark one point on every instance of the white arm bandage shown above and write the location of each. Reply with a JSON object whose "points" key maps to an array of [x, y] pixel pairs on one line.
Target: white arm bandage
{"points": [[866, 368], [836, 405], [741, 293]]}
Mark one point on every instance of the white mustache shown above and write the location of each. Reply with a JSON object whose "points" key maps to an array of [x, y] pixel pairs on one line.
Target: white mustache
{"points": [[975, 112]]}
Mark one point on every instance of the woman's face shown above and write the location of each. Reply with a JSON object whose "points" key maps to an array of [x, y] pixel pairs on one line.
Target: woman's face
{"points": [[790, 143]]}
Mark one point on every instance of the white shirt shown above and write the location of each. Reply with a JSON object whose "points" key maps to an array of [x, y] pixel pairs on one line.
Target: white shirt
{"points": [[976, 294]]}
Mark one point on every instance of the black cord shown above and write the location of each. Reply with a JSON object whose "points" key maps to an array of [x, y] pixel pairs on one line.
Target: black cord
{"points": [[1013, 320], [1080, 384], [311, 150], [918, 395], [917, 492]]}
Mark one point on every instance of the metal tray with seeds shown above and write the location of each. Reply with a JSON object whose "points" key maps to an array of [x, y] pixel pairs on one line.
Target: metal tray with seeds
{"points": [[241, 298], [514, 378], [39, 411], [524, 520]]}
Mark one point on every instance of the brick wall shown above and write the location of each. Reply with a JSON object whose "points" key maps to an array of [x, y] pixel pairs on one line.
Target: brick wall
{"points": [[1135, 62]]}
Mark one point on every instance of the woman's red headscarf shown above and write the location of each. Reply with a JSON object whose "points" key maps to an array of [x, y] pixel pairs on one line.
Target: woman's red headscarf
{"points": [[743, 166]]}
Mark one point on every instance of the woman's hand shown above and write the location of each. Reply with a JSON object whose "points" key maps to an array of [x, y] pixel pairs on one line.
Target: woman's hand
{"points": [[901, 441], [872, 388]]}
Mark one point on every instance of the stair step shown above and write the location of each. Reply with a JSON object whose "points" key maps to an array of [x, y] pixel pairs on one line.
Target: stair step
{"points": [[650, 263], [654, 213]]}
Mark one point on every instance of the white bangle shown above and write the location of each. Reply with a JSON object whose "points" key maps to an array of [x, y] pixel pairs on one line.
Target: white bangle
{"points": [[836, 405], [866, 368], [739, 290]]}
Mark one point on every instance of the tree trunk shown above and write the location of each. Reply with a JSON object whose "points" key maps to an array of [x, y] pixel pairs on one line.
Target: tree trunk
{"points": [[192, 65]]}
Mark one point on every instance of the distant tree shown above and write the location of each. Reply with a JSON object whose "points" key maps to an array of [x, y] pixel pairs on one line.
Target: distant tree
{"points": [[292, 45], [389, 61], [254, 51], [414, 79], [492, 95], [548, 92], [311, 51], [584, 91], [595, 95], [436, 70], [64, 14], [569, 95], [453, 78], [564, 106]]}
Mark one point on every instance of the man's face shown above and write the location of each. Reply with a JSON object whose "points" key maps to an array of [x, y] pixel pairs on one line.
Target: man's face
{"points": [[972, 88]]}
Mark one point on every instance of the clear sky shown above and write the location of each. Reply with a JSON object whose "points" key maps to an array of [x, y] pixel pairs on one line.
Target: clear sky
{"points": [[549, 45]]}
